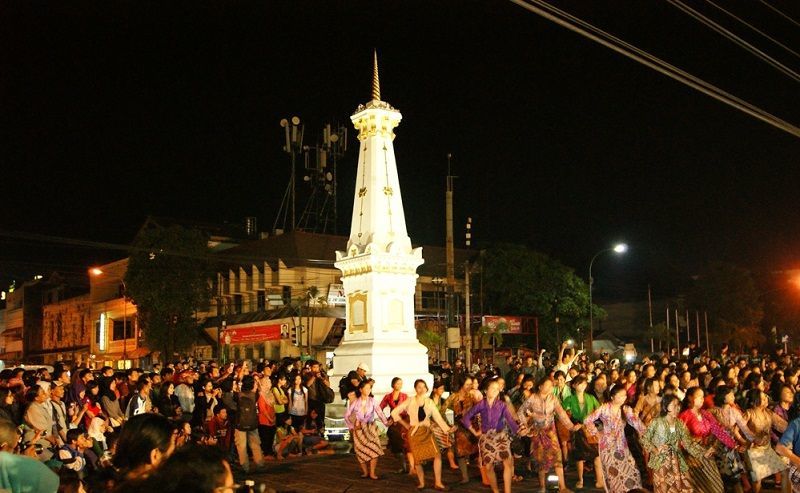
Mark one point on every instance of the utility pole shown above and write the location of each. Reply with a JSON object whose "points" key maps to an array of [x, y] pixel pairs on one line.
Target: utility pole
{"points": [[468, 317], [450, 248], [650, 312]]}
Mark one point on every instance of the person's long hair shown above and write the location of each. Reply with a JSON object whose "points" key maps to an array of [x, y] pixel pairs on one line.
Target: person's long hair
{"points": [[687, 400]]}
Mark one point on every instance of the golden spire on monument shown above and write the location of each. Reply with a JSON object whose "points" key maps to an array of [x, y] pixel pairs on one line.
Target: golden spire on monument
{"points": [[376, 101], [376, 83]]}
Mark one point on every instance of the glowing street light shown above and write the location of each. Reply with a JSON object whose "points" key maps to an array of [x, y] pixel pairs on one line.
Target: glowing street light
{"points": [[619, 249]]}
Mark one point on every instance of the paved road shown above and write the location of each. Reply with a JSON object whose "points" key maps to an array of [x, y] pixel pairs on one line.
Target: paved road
{"points": [[340, 474]]}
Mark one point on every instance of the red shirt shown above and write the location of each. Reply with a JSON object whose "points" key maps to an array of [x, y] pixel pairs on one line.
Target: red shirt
{"points": [[390, 402], [702, 429]]}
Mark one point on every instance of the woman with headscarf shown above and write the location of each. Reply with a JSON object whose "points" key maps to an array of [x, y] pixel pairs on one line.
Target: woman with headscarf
{"points": [[109, 402]]}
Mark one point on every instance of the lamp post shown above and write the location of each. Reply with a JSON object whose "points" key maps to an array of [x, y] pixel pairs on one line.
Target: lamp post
{"points": [[619, 248], [97, 272]]}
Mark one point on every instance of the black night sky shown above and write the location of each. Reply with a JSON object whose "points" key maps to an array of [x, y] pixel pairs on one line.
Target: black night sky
{"points": [[111, 111]]}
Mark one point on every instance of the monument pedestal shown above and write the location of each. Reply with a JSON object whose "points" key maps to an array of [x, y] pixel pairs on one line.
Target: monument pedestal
{"points": [[386, 360]]}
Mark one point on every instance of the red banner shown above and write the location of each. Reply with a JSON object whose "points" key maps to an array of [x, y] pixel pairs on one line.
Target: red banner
{"points": [[513, 325], [254, 333]]}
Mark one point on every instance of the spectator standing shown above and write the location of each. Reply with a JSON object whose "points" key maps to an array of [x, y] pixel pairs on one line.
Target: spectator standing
{"points": [[319, 392], [266, 415], [246, 430], [298, 402]]}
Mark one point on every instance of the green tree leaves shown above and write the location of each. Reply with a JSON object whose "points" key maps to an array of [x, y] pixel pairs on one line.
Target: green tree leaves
{"points": [[521, 281], [168, 280]]}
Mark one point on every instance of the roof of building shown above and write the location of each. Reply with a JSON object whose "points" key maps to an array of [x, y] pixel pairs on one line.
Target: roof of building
{"points": [[233, 231], [304, 249]]}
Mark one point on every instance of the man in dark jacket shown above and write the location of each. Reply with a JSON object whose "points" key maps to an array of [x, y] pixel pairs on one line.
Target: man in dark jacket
{"points": [[319, 392]]}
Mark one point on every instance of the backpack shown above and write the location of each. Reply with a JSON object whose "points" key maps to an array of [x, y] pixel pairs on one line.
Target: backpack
{"points": [[247, 416], [344, 387]]}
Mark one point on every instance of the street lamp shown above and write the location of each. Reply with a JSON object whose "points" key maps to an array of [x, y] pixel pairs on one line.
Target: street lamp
{"points": [[619, 249], [97, 272]]}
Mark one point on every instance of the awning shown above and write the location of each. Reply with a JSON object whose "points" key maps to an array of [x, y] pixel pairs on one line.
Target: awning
{"points": [[137, 353]]}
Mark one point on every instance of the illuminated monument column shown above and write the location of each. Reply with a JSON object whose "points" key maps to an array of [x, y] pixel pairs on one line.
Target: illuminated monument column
{"points": [[379, 266]]}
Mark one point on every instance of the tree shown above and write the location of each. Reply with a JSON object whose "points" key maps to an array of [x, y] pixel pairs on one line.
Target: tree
{"points": [[430, 339], [729, 294], [168, 281], [521, 281]]}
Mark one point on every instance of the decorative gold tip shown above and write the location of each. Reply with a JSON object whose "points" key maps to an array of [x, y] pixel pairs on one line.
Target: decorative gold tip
{"points": [[376, 83]]}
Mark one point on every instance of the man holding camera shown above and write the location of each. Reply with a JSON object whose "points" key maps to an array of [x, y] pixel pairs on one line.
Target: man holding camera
{"points": [[19, 473], [319, 392]]}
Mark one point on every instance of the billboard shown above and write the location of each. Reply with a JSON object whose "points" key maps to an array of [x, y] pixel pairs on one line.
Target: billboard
{"points": [[253, 333], [513, 324], [336, 295]]}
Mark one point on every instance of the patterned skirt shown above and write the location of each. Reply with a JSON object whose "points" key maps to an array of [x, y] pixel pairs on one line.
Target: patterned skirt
{"points": [[620, 471], [367, 442], [466, 443], [398, 439], [494, 447], [704, 475], [545, 449], [763, 462], [670, 479], [794, 478], [443, 439], [422, 444]]}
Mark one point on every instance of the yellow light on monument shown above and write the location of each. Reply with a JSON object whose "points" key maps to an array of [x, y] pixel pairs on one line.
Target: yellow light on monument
{"points": [[96, 271]]}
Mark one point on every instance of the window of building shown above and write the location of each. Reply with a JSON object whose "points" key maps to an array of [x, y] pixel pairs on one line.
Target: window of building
{"points": [[261, 301], [431, 300], [237, 303], [122, 330]]}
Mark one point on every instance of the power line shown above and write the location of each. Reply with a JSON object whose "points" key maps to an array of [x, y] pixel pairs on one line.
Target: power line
{"points": [[657, 64], [781, 13], [734, 38], [765, 35]]}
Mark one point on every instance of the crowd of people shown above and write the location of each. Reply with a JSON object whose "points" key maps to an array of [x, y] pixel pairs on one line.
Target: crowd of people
{"points": [[83, 430], [668, 423]]}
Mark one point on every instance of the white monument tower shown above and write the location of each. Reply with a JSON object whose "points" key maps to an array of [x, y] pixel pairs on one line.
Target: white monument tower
{"points": [[379, 266]]}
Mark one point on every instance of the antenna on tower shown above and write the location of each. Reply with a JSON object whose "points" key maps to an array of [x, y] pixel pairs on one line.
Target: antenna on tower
{"points": [[319, 173], [293, 133]]}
